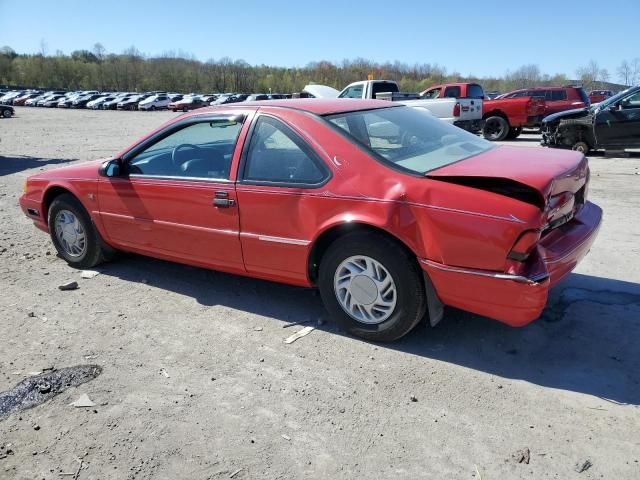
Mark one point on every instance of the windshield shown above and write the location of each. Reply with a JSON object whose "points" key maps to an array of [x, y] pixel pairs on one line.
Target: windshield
{"points": [[409, 138]]}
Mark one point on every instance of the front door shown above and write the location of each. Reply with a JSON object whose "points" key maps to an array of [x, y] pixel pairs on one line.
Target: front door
{"points": [[620, 125], [175, 200]]}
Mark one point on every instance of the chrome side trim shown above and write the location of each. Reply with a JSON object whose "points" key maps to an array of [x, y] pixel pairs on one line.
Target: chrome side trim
{"points": [[481, 273], [268, 238]]}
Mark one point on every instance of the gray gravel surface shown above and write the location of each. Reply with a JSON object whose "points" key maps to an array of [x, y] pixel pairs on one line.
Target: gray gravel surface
{"points": [[197, 382]]}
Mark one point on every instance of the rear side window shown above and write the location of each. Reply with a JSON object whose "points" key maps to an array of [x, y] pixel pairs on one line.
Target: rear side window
{"points": [[452, 92], [278, 155], [433, 93], [557, 95], [353, 92], [475, 91]]}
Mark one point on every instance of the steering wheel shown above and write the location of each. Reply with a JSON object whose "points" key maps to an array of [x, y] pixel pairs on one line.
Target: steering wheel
{"points": [[174, 156]]}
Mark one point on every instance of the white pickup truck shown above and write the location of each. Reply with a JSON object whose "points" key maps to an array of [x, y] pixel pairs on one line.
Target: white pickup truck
{"points": [[463, 112]]}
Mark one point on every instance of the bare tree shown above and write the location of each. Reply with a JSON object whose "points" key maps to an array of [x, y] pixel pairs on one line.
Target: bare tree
{"points": [[624, 72]]}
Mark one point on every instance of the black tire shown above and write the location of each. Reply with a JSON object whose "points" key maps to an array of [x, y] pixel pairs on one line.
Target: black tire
{"points": [[514, 132], [95, 251], [411, 300], [152, 108], [185, 109], [581, 147], [495, 128], [6, 113]]}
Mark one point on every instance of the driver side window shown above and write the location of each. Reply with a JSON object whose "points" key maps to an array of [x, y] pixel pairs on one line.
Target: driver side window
{"points": [[201, 150], [632, 102]]}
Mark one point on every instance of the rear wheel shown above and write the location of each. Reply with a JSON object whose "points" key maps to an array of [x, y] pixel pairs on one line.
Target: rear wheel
{"points": [[372, 287], [73, 233], [514, 132], [495, 128]]}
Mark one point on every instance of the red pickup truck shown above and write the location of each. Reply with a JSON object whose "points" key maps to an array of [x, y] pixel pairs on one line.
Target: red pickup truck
{"points": [[503, 117]]}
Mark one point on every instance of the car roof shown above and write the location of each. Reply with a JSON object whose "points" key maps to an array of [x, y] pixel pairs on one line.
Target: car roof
{"points": [[317, 106]]}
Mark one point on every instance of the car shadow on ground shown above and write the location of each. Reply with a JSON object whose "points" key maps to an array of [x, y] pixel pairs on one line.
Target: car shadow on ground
{"points": [[585, 341], [9, 165]]}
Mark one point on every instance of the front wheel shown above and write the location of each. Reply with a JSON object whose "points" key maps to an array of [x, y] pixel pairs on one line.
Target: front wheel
{"points": [[6, 113], [495, 128], [73, 233], [372, 287], [581, 147]]}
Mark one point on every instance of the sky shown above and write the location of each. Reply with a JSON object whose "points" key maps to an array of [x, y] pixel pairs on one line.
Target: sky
{"points": [[481, 38]]}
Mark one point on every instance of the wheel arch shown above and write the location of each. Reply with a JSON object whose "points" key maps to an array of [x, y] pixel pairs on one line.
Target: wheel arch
{"points": [[496, 113], [54, 191], [336, 231]]}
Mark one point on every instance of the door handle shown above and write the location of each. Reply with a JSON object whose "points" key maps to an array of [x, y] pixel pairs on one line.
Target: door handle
{"points": [[221, 199]]}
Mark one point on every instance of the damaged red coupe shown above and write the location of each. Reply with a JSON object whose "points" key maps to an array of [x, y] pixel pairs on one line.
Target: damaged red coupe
{"points": [[390, 212]]}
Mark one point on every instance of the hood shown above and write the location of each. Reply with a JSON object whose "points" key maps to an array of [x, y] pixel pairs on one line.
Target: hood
{"points": [[534, 173], [321, 91], [575, 113], [85, 170]]}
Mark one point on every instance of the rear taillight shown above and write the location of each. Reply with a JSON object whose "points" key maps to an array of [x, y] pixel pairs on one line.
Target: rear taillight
{"points": [[456, 109], [524, 246]]}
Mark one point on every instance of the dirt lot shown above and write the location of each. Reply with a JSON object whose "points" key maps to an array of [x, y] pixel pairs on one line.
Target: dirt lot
{"points": [[197, 383]]}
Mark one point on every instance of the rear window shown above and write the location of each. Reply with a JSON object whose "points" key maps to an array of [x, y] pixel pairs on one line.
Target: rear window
{"points": [[409, 139], [383, 88], [475, 91]]}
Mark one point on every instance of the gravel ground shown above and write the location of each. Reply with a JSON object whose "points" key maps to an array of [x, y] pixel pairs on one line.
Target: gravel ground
{"points": [[197, 382]]}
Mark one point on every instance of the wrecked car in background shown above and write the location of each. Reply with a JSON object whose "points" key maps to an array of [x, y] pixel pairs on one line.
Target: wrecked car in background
{"points": [[390, 212], [613, 124]]}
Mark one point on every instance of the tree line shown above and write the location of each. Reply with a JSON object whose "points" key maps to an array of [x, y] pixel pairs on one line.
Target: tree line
{"points": [[96, 69]]}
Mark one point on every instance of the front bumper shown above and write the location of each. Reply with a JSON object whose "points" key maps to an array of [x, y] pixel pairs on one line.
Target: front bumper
{"points": [[33, 210], [518, 299]]}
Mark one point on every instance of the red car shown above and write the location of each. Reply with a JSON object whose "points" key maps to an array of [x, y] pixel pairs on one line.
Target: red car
{"points": [[557, 99], [390, 212], [595, 96]]}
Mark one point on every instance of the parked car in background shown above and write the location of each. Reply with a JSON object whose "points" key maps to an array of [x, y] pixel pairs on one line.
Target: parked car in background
{"points": [[596, 96], [557, 99], [6, 111], [130, 103], [504, 118], [392, 228], [465, 113], [612, 124], [113, 104], [96, 104], [257, 97], [188, 103], [81, 102], [20, 101], [155, 102], [51, 102]]}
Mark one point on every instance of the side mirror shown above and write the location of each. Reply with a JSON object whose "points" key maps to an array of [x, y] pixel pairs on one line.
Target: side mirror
{"points": [[110, 168], [614, 107]]}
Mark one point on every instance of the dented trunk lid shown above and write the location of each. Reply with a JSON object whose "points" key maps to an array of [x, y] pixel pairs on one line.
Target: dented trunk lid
{"points": [[546, 171], [553, 180]]}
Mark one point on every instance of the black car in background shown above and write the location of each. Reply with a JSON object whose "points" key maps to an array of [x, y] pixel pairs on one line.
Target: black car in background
{"points": [[82, 101], [6, 111], [613, 124]]}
